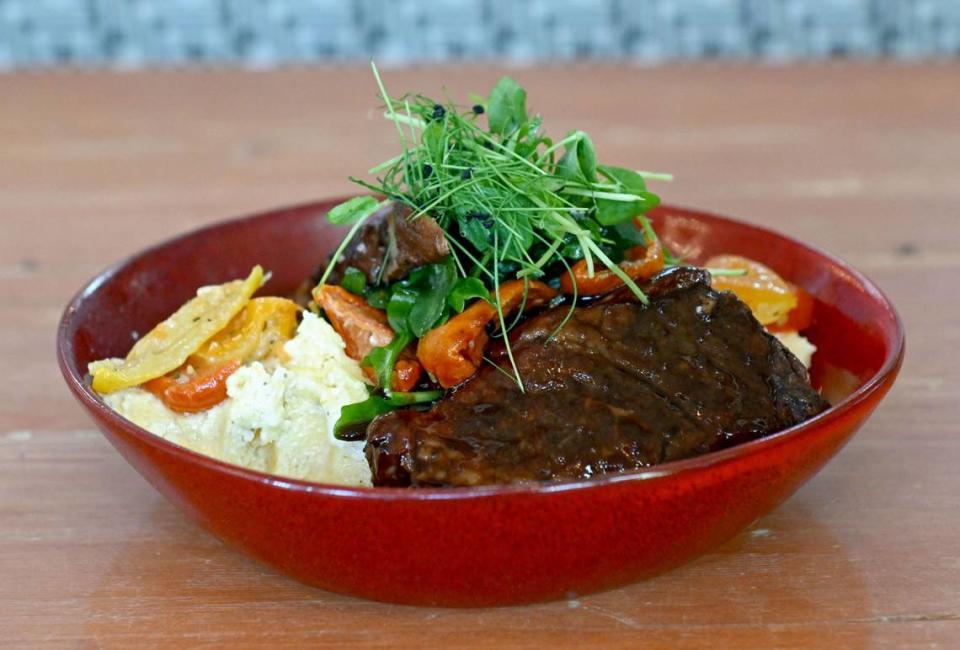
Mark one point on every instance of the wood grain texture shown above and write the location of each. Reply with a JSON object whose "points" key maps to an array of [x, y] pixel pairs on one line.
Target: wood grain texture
{"points": [[863, 160]]}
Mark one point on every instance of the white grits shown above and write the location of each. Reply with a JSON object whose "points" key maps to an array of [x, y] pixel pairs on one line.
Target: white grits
{"points": [[276, 420], [801, 347]]}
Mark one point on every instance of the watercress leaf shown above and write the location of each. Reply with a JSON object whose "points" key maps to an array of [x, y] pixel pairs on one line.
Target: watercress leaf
{"points": [[593, 226], [378, 297], [376, 359], [515, 236], [568, 166], [354, 280], [432, 286], [427, 313], [528, 137], [553, 184], [466, 289], [507, 106], [650, 199], [524, 231], [383, 359], [614, 212], [528, 128], [351, 424], [625, 235], [352, 210], [587, 158], [571, 249], [579, 160], [401, 302], [628, 180], [474, 231]]}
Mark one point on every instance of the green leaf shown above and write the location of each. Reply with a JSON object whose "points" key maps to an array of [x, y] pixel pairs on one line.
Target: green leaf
{"points": [[418, 303], [466, 289], [433, 141], [593, 226], [398, 308], [528, 137], [507, 106], [514, 228], [378, 297], [432, 283], [571, 249], [415, 397], [473, 230], [579, 160], [613, 212], [383, 359], [500, 178], [629, 182], [625, 235], [351, 425], [353, 210], [587, 157], [515, 236], [354, 280]]}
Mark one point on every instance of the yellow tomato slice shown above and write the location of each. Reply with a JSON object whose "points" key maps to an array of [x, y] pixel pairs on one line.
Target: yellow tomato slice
{"points": [[255, 333], [169, 344], [769, 297]]}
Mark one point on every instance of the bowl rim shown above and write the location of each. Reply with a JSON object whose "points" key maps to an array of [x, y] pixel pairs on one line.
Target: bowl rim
{"points": [[84, 393]]}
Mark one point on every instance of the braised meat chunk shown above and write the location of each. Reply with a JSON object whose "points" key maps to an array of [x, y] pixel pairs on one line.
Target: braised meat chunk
{"points": [[391, 244], [620, 386], [388, 246]]}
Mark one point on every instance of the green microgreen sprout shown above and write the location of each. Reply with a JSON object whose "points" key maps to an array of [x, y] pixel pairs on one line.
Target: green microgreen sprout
{"points": [[512, 202]]}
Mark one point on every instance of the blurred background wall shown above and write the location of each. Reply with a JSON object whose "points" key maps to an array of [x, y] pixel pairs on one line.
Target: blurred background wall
{"points": [[268, 33]]}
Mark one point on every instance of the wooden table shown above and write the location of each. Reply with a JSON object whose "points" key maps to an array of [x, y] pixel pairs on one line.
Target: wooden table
{"points": [[861, 159]]}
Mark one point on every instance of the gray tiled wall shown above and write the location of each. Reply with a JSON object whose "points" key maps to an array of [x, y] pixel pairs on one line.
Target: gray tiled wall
{"points": [[264, 33]]}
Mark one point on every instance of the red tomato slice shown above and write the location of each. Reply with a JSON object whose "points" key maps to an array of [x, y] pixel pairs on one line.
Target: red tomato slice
{"points": [[207, 389]]}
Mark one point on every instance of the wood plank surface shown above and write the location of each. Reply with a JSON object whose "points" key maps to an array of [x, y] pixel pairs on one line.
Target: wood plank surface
{"points": [[861, 159]]}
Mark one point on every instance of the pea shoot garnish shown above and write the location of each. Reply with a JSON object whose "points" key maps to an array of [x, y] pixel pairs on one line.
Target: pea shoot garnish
{"points": [[514, 205]]}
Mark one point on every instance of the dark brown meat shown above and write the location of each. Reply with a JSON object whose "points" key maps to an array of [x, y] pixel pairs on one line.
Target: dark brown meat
{"points": [[387, 248], [391, 244], [620, 387]]}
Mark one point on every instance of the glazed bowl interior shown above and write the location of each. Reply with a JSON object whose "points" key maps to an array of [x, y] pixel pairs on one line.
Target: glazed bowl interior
{"points": [[320, 533], [857, 332]]}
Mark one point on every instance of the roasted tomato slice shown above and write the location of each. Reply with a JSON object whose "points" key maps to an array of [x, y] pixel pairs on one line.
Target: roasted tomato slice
{"points": [[769, 296], [204, 390], [641, 262], [257, 332], [363, 328], [167, 346], [454, 351]]}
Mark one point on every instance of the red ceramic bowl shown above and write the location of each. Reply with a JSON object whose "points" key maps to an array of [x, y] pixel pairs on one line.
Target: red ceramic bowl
{"points": [[488, 545]]}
